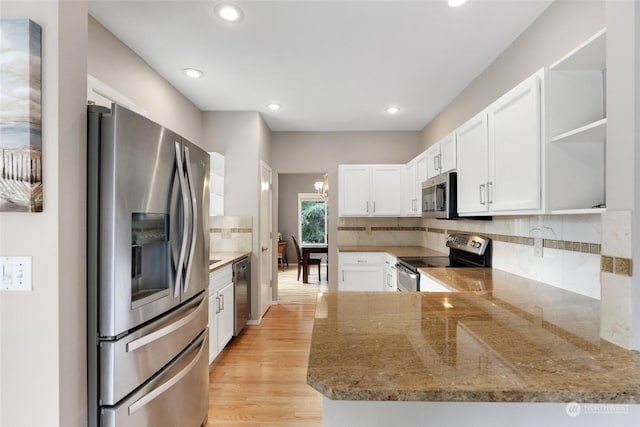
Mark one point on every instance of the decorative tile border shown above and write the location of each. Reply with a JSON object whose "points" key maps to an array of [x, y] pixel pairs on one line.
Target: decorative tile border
{"points": [[584, 247], [398, 229], [382, 228], [615, 265], [230, 230]]}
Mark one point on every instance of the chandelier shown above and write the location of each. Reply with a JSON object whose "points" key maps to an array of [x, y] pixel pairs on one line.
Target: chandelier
{"points": [[322, 187]]}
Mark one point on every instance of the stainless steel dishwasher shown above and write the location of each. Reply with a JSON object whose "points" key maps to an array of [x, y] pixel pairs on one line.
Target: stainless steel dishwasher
{"points": [[241, 293]]}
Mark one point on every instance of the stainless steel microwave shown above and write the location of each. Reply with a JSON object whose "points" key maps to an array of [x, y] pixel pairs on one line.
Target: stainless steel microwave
{"points": [[439, 197]]}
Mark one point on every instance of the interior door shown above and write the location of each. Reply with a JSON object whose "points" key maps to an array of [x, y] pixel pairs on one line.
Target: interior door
{"points": [[266, 234]]}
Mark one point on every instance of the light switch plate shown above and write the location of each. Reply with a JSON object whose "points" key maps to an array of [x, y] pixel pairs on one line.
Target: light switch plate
{"points": [[15, 274]]}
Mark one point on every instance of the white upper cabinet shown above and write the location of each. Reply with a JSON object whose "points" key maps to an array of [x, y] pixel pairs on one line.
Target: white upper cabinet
{"points": [[353, 191], [499, 154], [386, 194], [448, 153], [442, 156], [515, 145], [415, 172], [473, 165], [216, 184], [370, 190], [577, 125]]}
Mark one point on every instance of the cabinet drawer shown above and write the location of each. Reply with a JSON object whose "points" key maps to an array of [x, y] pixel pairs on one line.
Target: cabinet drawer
{"points": [[362, 258], [220, 277]]}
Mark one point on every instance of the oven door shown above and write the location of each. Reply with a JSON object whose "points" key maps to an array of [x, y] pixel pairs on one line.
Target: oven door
{"points": [[408, 280]]}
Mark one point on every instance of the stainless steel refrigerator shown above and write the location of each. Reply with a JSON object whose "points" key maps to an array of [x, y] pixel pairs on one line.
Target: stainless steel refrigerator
{"points": [[147, 268]]}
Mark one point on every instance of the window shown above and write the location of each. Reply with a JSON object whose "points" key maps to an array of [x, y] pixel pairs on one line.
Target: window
{"points": [[312, 218]]}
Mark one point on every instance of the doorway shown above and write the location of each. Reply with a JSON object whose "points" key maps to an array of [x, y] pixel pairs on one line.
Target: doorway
{"points": [[302, 213]]}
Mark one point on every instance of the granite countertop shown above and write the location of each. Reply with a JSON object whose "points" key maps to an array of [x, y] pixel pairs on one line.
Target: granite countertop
{"points": [[224, 258], [393, 250], [499, 338]]}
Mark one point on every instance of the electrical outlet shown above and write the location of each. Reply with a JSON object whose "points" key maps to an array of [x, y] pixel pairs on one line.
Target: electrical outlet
{"points": [[537, 247], [15, 273]]}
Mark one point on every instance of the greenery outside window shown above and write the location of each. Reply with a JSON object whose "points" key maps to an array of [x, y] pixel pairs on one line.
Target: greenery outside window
{"points": [[312, 218]]}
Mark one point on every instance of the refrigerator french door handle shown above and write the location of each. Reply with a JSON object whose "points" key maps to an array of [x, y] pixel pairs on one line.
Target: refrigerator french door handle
{"points": [[194, 218], [147, 398], [185, 210], [156, 335]]}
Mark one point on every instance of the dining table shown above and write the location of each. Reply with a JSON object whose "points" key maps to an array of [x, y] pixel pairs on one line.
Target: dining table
{"points": [[308, 249]]}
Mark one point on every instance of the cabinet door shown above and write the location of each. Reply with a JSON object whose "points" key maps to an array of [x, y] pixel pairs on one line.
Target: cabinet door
{"points": [[409, 187], [386, 180], [473, 165], [515, 149], [361, 278], [225, 315], [448, 153], [433, 161], [353, 191], [213, 331]]}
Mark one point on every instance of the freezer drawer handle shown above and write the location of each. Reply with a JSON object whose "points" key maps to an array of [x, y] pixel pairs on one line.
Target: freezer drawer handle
{"points": [[147, 339], [147, 398]]}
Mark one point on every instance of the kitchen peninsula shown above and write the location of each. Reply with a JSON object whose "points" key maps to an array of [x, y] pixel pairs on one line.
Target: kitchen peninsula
{"points": [[499, 350]]}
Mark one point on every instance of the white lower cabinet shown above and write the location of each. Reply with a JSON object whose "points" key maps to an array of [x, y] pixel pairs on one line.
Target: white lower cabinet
{"points": [[363, 271], [390, 274], [221, 304]]}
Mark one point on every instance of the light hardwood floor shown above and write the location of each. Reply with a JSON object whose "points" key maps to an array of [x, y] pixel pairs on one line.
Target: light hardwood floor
{"points": [[259, 380]]}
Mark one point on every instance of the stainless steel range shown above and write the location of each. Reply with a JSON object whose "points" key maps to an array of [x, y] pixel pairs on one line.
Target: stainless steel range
{"points": [[465, 250]]}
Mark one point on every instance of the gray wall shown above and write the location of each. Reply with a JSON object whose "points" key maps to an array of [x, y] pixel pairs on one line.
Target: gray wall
{"points": [[289, 185], [562, 27], [244, 140], [115, 64], [42, 332]]}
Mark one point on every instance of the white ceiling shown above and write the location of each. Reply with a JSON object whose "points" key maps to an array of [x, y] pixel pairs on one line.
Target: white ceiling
{"points": [[333, 65]]}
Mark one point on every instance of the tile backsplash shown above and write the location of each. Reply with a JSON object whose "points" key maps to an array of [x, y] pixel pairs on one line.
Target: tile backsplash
{"points": [[230, 233], [571, 243]]}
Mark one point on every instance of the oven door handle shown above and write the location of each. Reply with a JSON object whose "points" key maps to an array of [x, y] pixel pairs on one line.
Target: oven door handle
{"points": [[404, 270]]}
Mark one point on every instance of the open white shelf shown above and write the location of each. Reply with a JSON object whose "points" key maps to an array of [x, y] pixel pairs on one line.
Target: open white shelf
{"points": [[593, 132], [590, 55], [586, 211]]}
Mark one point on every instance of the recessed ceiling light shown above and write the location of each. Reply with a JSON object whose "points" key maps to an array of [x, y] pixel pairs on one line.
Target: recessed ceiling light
{"points": [[392, 110], [456, 3], [228, 12], [274, 106], [193, 73]]}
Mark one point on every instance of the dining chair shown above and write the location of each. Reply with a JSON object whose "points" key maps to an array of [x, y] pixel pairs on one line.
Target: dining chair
{"points": [[311, 261]]}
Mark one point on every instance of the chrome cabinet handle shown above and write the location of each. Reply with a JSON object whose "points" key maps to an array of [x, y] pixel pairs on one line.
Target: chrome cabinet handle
{"points": [[374, 207], [367, 206], [222, 302], [482, 187], [435, 162], [217, 304]]}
